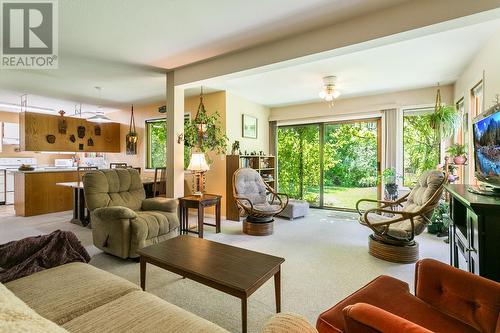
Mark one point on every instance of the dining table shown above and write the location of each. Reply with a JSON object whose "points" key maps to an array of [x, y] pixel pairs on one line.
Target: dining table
{"points": [[81, 215]]}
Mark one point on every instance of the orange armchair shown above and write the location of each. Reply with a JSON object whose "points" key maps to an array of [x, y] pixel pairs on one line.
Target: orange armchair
{"points": [[446, 300]]}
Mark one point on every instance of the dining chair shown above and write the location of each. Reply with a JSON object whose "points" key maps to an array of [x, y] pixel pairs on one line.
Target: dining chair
{"points": [[118, 165], [160, 182], [139, 169]]}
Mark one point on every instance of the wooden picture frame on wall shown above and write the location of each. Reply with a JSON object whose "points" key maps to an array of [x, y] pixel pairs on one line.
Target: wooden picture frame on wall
{"points": [[249, 126]]}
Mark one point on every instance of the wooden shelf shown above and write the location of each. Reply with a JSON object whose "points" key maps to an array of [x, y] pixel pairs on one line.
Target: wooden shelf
{"points": [[263, 164]]}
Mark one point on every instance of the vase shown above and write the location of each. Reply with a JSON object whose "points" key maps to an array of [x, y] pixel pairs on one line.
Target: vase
{"points": [[459, 160]]}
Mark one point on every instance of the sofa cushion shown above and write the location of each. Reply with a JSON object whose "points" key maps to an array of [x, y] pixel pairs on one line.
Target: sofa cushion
{"points": [[65, 292], [140, 312], [17, 317], [289, 323], [394, 296]]}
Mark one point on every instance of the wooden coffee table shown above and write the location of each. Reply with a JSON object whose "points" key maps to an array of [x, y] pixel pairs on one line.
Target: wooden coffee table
{"points": [[230, 269]]}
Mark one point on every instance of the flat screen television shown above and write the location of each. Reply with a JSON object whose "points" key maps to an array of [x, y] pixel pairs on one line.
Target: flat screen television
{"points": [[486, 132]]}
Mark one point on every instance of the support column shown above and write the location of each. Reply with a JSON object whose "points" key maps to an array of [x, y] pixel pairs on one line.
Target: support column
{"points": [[175, 128]]}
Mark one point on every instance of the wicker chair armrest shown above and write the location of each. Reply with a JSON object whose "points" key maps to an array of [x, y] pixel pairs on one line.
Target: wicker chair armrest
{"points": [[403, 216], [240, 198], [386, 203]]}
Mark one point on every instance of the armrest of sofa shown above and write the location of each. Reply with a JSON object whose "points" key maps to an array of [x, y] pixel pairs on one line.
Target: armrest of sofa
{"points": [[114, 213], [448, 289], [366, 318], [288, 323], [161, 204]]}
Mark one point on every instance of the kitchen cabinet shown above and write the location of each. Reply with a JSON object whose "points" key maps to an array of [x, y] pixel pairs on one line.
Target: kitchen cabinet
{"points": [[10, 133], [35, 127], [36, 192]]}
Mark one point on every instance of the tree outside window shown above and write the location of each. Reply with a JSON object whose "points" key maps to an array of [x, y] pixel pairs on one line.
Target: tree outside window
{"points": [[421, 145], [156, 134]]}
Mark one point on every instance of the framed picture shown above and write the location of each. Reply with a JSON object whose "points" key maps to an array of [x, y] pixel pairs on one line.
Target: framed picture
{"points": [[249, 126]]}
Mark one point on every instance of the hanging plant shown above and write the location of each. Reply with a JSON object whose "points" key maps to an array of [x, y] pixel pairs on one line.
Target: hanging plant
{"points": [[205, 133], [446, 120], [131, 138]]}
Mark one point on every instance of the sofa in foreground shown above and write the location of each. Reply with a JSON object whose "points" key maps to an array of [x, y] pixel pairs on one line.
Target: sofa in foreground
{"points": [[78, 297]]}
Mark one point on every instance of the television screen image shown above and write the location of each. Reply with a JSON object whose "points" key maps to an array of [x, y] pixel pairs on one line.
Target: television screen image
{"points": [[487, 149]]}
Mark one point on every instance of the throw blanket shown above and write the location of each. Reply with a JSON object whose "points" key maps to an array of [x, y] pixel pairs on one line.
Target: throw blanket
{"points": [[33, 254]]}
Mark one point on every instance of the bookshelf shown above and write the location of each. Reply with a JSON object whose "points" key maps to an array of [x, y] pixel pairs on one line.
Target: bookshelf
{"points": [[265, 165]]}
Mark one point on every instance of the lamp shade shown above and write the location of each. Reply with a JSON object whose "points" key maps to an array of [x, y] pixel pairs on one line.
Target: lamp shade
{"points": [[198, 162]]}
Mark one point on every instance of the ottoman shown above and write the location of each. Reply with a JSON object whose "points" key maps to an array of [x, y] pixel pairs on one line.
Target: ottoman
{"points": [[295, 208]]}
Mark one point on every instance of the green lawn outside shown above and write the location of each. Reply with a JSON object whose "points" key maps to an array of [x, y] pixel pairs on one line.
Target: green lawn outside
{"points": [[346, 197]]}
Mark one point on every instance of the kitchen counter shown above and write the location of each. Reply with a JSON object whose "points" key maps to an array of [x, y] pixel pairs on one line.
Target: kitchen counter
{"points": [[49, 169], [36, 191]]}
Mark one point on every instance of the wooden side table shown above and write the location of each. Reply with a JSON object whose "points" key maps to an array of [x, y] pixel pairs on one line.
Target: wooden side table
{"points": [[199, 203]]}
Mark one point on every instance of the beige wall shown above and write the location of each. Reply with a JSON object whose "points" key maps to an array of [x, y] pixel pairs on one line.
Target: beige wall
{"points": [[236, 107], [486, 61], [10, 150], [350, 107]]}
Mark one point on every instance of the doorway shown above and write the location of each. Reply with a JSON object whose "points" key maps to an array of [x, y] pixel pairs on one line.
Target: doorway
{"points": [[330, 165]]}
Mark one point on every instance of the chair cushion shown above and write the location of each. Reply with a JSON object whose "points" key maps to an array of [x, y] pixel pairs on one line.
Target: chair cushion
{"points": [[151, 224], [151, 227], [266, 207], [140, 312], [394, 296], [65, 292], [17, 317], [249, 184], [113, 187], [428, 183], [399, 230]]}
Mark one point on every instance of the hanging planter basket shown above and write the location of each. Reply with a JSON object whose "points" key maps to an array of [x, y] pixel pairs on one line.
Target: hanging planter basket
{"points": [[131, 138]]}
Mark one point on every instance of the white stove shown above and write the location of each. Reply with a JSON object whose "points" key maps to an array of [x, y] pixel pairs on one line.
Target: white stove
{"points": [[8, 166]]}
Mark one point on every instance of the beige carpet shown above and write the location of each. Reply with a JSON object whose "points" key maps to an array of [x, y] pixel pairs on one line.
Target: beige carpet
{"points": [[326, 260]]}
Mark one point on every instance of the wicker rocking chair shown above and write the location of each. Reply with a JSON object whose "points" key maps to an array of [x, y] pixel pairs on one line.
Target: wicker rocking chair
{"points": [[257, 200], [396, 223]]}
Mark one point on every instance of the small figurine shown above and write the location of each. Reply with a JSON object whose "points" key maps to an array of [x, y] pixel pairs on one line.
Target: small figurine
{"points": [[235, 147]]}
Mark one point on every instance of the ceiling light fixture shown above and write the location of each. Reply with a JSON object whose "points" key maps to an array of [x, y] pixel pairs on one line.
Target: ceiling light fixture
{"points": [[99, 116], [329, 92]]}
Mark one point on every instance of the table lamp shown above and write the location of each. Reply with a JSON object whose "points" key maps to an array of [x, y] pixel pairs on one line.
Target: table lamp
{"points": [[198, 166]]}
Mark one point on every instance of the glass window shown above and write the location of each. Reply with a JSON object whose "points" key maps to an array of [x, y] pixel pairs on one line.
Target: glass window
{"points": [[299, 162], [421, 146], [156, 143], [476, 100]]}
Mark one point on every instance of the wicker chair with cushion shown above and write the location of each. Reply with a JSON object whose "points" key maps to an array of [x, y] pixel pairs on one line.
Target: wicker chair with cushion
{"points": [[396, 223], [123, 220], [257, 200]]}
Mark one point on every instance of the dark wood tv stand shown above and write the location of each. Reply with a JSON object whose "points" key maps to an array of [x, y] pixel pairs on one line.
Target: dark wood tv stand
{"points": [[474, 231]]}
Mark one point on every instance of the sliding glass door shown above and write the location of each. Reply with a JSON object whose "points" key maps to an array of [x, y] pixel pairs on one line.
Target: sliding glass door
{"points": [[351, 163], [299, 162], [330, 164]]}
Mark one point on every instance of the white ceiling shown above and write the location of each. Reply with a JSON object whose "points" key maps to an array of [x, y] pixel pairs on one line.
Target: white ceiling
{"points": [[124, 45], [411, 64]]}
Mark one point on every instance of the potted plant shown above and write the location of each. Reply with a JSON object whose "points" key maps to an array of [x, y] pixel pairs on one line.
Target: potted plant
{"points": [[445, 120], [457, 152], [439, 219], [389, 177]]}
